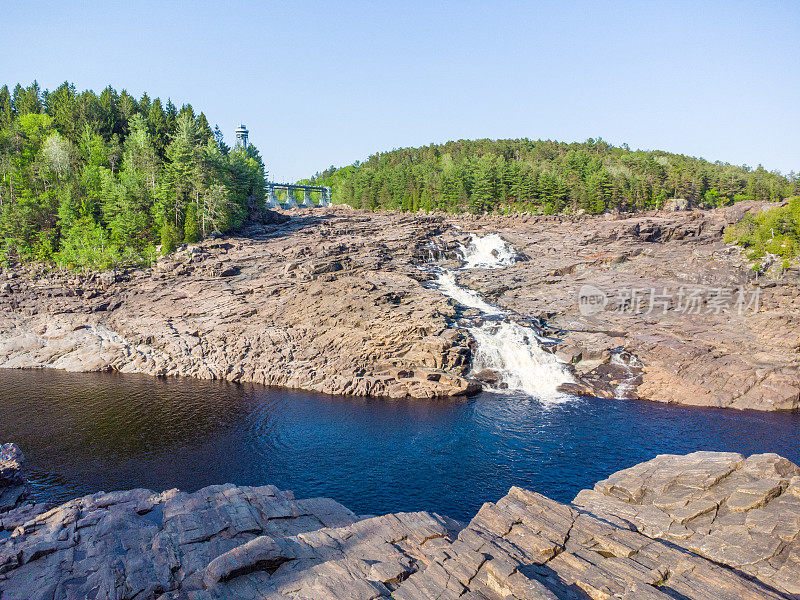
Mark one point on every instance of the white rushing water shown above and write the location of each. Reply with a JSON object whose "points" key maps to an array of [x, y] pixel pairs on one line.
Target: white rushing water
{"points": [[628, 362], [488, 252], [511, 350], [466, 297]]}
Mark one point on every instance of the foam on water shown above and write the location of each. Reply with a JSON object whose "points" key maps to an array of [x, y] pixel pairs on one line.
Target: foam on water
{"points": [[513, 351], [446, 283], [488, 252]]}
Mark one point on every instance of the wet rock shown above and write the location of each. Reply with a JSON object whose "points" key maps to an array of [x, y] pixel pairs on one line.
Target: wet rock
{"points": [[487, 376], [577, 389], [13, 486]]}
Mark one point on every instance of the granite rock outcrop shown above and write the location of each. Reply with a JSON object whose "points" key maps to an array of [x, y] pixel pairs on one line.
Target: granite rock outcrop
{"points": [[702, 327], [639, 535], [325, 302], [332, 300], [736, 511]]}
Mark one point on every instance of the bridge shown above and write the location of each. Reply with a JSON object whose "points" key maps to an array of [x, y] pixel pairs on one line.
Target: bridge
{"points": [[288, 195], [289, 200]]}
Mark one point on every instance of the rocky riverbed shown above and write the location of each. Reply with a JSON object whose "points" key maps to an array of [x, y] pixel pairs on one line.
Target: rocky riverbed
{"points": [[703, 328], [707, 525], [332, 300]]}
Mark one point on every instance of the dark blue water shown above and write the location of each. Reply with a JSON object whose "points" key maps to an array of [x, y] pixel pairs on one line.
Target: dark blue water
{"points": [[87, 432]]}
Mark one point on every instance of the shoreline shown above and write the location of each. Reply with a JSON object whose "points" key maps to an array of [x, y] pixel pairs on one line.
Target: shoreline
{"points": [[239, 309]]}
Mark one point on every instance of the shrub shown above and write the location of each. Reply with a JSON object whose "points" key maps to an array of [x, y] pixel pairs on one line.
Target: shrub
{"points": [[776, 232]]}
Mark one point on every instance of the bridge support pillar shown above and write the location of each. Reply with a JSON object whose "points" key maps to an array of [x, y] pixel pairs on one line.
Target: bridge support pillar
{"points": [[307, 202], [325, 197], [290, 201], [272, 199]]}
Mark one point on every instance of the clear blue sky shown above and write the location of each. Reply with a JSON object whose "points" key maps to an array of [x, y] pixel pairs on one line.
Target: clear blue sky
{"points": [[320, 84]]}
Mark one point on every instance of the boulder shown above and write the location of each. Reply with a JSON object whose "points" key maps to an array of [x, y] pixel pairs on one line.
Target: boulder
{"points": [[674, 204], [13, 486]]}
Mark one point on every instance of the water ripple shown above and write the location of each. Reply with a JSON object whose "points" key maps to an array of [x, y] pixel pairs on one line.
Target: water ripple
{"points": [[87, 432]]}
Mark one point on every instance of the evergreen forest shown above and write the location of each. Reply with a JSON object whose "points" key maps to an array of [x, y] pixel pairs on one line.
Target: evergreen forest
{"points": [[95, 180], [545, 177]]}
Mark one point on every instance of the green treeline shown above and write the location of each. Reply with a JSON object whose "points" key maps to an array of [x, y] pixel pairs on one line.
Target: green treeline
{"points": [[544, 176], [90, 180]]}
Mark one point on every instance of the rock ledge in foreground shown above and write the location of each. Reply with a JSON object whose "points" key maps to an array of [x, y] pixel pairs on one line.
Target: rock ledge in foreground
{"points": [[639, 535], [737, 511]]}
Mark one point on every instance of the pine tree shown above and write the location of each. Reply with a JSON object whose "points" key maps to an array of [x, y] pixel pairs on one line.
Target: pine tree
{"points": [[110, 117], [28, 100], [84, 182], [6, 108], [204, 132], [159, 127], [176, 189], [191, 229], [61, 105], [128, 107], [481, 197]]}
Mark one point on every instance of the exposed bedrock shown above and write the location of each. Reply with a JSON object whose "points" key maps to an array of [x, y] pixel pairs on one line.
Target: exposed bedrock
{"points": [[333, 301], [326, 302], [640, 535], [744, 513], [672, 288]]}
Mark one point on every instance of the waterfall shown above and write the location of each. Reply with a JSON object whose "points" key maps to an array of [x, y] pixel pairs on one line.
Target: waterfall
{"points": [[514, 352], [488, 252], [511, 350], [446, 282], [628, 362]]}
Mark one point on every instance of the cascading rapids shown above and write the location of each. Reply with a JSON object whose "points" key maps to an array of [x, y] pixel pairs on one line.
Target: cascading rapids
{"points": [[509, 349], [628, 362], [469, 298], [488, 252], [514, 352]]}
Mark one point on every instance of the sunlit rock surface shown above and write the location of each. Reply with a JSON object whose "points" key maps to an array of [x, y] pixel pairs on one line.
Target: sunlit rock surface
{"points": [[640, 535], [334, 301], [329, 301], [706, 354], [744, 513]]}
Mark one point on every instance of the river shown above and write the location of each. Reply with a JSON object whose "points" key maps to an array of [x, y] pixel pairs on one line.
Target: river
{"points": [[102, 431], [84, 432]]}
